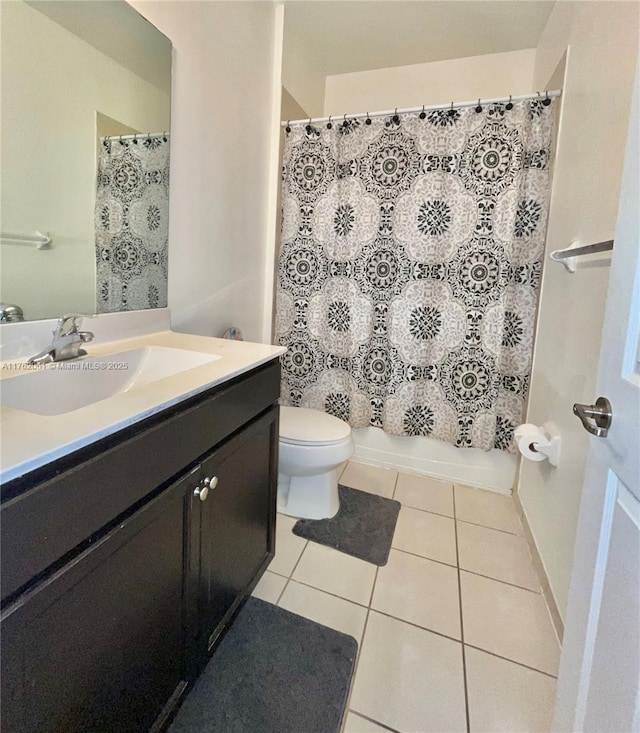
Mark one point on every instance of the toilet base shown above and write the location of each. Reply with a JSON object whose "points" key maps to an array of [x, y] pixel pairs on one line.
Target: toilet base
{"points": [[309, 497]]}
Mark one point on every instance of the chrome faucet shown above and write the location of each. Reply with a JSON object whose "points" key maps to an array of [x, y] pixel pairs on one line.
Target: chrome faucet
{"points": [[10, 313], [67, 340]]}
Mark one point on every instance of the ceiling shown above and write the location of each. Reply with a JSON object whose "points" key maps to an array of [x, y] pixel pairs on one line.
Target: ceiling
{"points": [[116, 29], [343, 36]]}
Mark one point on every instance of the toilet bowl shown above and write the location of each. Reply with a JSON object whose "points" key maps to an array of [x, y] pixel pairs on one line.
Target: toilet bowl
{"points": [[312, 446]]}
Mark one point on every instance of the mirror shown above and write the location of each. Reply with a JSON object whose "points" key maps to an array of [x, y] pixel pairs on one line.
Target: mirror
{"points": [[74, 72]]}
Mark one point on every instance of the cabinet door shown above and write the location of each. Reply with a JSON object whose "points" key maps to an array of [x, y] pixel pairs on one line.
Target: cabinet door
{"points": [[99, 646], [237, 522]]}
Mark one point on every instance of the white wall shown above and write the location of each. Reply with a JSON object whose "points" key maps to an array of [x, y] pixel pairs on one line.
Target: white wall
{"points": [[53, 83], [222, 161], [603, 45], [300, 74], [438, 82]]}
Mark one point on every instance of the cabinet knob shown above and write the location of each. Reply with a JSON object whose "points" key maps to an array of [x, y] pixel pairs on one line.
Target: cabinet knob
{"points": [[201, 492]]}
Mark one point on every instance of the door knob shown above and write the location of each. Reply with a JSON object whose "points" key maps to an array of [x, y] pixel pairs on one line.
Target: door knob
{"points": [[600, 413]]}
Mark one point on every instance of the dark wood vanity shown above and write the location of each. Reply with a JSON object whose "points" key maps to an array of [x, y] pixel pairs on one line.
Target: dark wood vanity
{"points": [[124, 562]]}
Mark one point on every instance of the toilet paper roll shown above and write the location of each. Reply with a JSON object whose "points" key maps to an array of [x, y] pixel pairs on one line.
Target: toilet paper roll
{"points": [[530, 439]]}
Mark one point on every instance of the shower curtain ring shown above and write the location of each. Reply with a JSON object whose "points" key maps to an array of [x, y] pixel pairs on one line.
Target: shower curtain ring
{"points": [[395, 117], [479, 107], [135, 139], [287, 129], [422, 114], [345, 124], [547, 100], [309, 128], [329, 125], [121, 143], [368, 120], [509, 104]]}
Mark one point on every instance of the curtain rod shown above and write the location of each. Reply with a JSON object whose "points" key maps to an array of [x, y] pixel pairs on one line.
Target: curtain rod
{"points": [[138, 135], [426, 108]]}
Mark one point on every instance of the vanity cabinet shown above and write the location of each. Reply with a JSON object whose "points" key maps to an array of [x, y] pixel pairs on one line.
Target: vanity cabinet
{"points": [[100, 644], [240, 478], [113, 608]]}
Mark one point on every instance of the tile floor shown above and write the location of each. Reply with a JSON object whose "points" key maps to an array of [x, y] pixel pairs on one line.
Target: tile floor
{"points": [[453, 633]]}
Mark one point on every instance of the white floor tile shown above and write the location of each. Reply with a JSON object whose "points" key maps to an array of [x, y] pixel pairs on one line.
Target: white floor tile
{"points": [[429, 535], [269, 587], [487, 508], [422, 492], [289, 546], [358, 724], [420, 591], [409, 679], [373, 479], [327, 610], [507, 698], [508, 621], [496, 554], [332, 571]]}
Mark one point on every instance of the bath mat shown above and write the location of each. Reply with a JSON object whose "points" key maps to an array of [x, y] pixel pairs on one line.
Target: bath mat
{"points": [[363, 526], [274, 672]]}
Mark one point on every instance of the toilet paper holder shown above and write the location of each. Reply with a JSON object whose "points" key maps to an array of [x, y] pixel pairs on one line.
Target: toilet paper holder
{"points": [[543, 441]]}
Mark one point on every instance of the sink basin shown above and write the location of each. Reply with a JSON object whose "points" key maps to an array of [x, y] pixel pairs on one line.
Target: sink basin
{"points": [[69, 385]]}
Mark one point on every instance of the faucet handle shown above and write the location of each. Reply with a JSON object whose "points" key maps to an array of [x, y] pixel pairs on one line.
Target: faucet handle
{"points": [[70, 323]]}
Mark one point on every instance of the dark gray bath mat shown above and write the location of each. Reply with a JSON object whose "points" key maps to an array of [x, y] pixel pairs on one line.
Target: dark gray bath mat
{"points": [[274, 672], [363, 527]]}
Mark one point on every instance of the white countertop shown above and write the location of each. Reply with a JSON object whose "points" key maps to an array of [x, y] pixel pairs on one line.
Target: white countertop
{"points": [[30, 441]]}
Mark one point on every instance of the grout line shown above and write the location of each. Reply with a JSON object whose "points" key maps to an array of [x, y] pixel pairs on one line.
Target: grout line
{"points": [[273, 572], [373, 587], [424, 557], [373, 720], [293, 571], [426, 511], [495, 529], [470, 572], [329, 593], [504, 582], [416, 626], [464, 658], [360, 646], [513, 661]]}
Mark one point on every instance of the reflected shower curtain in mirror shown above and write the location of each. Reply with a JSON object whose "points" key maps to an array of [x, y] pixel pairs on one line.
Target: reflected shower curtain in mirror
{"points": [[409, 268], [132, 223]]}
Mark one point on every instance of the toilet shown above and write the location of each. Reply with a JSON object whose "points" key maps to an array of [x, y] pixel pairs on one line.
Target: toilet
{"points": [[312, 446]]}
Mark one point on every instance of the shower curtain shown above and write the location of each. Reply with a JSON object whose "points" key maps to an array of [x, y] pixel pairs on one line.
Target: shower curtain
{"points": [[132, 223], [409, 268]]}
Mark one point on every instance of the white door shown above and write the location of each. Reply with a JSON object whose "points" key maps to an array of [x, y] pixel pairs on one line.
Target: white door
{"points": [[599, 678]]}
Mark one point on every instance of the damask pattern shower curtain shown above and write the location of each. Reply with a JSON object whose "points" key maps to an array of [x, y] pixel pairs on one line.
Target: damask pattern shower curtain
{"points": [[132, 223], [409, 269]]}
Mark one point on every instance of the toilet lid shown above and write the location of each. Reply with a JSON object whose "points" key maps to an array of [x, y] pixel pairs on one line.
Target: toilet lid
{"points": [[298, 424]]}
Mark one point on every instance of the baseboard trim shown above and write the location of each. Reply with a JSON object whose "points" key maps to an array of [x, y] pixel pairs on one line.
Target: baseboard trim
{"points": [[538, 566]]}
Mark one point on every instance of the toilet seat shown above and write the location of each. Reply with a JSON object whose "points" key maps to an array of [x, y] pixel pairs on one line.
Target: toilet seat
{"points": [[301, 426]]}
